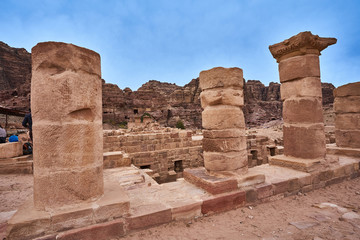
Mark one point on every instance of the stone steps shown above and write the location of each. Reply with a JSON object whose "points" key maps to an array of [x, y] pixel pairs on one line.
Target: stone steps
{"points": [[22, 165]]}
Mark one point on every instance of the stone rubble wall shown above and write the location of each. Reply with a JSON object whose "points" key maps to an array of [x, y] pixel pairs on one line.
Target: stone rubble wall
{"points": [[157, 150]]}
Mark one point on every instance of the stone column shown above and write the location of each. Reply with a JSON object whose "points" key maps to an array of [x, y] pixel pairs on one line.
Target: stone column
{"points": [[347, 115], [299, 71], [222, 98], [67, 125]]}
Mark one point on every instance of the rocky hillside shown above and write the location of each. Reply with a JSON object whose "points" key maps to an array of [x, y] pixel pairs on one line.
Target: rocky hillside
{"points": [[166, 103], [15, 76]]}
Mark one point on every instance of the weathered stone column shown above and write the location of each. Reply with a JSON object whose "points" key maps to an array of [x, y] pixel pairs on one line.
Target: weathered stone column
{"points": [[222, 99], [67, 124], [224, 142], [299, 71], [347, 115]]}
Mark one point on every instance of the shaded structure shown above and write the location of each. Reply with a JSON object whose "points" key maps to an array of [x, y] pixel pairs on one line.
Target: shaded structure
{"points": [[299, 71]]}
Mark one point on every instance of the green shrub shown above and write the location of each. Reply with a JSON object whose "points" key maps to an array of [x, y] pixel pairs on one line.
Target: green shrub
{"points": [[180, 124], [145, 114]]}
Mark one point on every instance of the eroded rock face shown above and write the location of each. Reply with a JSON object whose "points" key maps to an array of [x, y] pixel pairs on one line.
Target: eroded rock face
{"points": [[262, 104], [166, 102], [67, 124], [15, 77]]}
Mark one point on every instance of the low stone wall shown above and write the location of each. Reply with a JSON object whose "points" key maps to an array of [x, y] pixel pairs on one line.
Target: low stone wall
{"points": [[166, 153], [12, 149]]}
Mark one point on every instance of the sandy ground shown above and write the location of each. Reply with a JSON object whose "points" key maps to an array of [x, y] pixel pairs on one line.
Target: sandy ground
{"points": [[295, 217]]}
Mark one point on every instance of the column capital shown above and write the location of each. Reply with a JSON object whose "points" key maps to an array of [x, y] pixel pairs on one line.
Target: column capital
{"points": [[300, 44]]}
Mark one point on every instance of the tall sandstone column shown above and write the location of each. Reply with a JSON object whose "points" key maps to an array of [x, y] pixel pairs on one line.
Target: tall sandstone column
{"points": [[222, 99], [67, 125], [299, 71], [347, 115]]}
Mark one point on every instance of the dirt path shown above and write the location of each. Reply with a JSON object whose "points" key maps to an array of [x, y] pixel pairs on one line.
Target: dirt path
{"points": [[265, 221], [272, 220]]}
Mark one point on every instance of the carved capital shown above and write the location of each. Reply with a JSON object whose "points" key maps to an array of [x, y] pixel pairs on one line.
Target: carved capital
{"points": [[300, 44]]}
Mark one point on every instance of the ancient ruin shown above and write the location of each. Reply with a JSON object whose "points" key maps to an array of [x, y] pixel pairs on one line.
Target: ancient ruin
{"points": [[347, 120], [222, 99], [91, 183], [224, 143], [68, 155], [299, 70], [67, 119]]}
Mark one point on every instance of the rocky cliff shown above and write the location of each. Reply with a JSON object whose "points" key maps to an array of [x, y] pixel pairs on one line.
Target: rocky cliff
{"points": [[15, 76], [166, 103]]}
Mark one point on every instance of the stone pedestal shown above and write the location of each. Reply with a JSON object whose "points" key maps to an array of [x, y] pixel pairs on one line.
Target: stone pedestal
{"points": [[347, 119], [299, 70], [224, 142], [66, 102]]}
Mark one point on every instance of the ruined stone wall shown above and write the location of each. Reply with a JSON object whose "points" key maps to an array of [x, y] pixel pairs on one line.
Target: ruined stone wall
{"points": [[157, 151], [259, 149]]}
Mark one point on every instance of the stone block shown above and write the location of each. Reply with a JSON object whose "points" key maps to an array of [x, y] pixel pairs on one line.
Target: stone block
{"points": [[222, 96], [293, 185], [75, 186], [223, 202], [148, 215], [102, 231], [348, 138], [113, 204], [303, 87], [11, 149], [347, 121], [217, 161], [220, 77], [264, 190], [69, 151], [224, 133], [335, 180], [347, 104], [224, 144], [280, 185], [351, 89], [304, 141], [28, 223], [251, 195], [299, 67], [71, 218], [222, 117], [299, 164], [187, 209], [212, 184], [303, 110], [305, 180], [116, 159]]}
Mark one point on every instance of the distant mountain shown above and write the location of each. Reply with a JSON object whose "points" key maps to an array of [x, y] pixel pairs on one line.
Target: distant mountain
{"points": [[165, 102]]}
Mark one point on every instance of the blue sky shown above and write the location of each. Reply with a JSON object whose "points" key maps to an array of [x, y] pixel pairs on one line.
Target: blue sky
{"points": [[173, 40]]}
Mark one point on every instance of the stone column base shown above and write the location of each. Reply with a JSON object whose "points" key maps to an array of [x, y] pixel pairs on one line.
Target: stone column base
{"points": [[222, 183], [351, 152], [304, 165], [28, 223]]}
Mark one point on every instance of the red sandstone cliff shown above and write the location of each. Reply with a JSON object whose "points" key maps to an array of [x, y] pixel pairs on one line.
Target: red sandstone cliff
{"points": [[167, 103], [15, 76]]}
